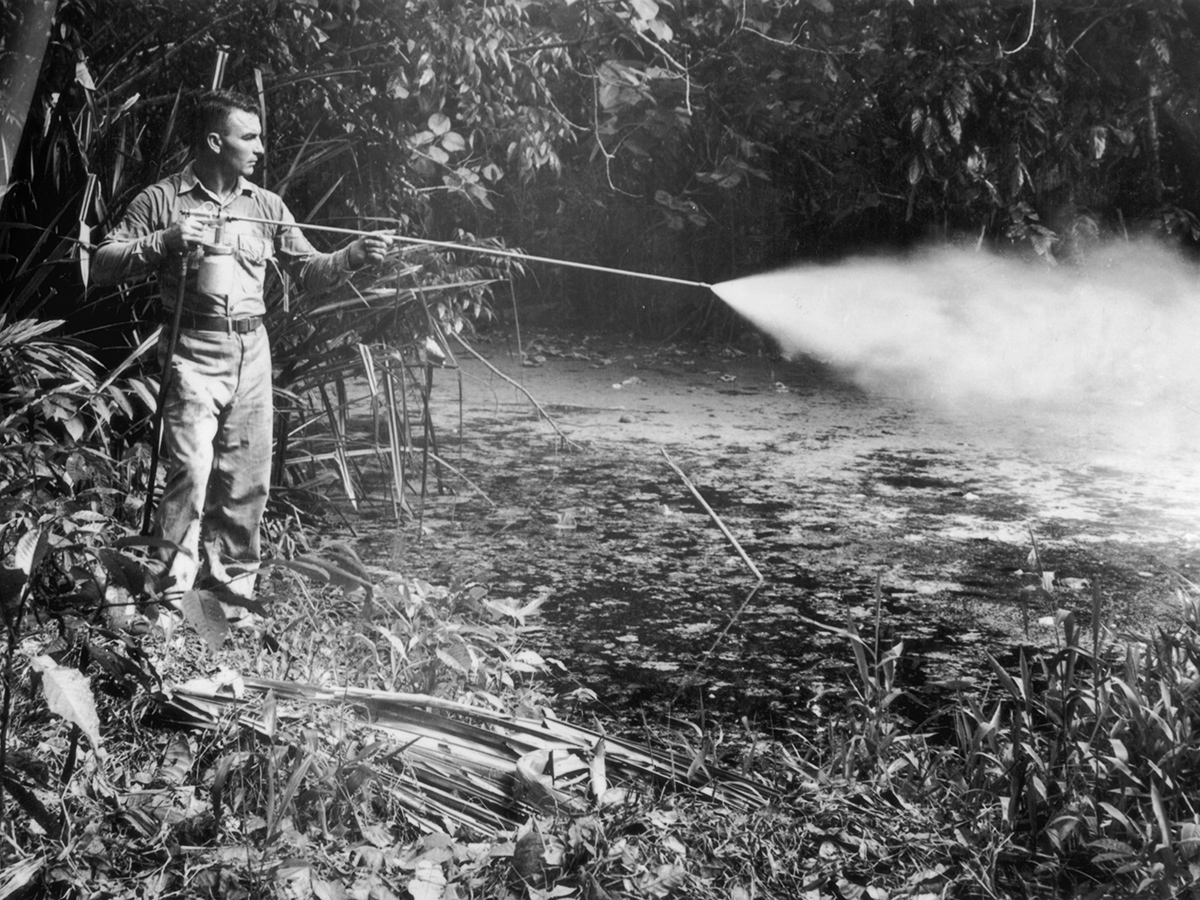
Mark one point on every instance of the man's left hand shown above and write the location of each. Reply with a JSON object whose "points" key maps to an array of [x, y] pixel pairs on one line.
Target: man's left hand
{"points": [[370, 248]]}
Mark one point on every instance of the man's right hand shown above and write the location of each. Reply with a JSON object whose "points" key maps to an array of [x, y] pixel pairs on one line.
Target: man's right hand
{"points": [[185, 234]]}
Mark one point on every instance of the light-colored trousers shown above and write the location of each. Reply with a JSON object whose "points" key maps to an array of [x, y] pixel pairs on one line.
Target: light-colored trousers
{"points": [[217, 436]]}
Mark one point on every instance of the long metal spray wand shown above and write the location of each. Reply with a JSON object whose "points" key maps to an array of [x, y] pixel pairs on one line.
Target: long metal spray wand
{"points": [[485, 250]]}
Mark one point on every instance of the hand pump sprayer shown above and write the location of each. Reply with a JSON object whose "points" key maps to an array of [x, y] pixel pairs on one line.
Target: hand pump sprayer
{"points": [[214, 274]]}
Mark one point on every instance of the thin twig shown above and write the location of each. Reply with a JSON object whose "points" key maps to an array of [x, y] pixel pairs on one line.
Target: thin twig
{"points": [[1078, 37], [541, 412], [745, 558], [1028, 37], [793, 43], [482, 493]]}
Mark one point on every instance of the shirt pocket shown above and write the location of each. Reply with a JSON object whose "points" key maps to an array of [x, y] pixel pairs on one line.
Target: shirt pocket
{"points": [[253, 250]]}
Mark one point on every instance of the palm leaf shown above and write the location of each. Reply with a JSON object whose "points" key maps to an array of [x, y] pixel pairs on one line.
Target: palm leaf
{"points": [[454, 767]]}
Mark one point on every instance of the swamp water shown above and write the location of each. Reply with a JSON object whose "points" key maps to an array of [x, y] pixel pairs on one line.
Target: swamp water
{"points": [[830, 489]]}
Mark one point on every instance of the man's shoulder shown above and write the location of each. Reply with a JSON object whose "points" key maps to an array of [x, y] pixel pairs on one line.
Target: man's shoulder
{"points": [[170, 186], [264, 196]]}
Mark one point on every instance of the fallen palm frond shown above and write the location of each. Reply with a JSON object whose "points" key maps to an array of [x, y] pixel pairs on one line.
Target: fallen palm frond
{"points": [[455, 767]]}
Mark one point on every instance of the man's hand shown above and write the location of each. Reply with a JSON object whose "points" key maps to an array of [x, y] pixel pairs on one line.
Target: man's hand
{"points": [[185, 234], [370, 248]]}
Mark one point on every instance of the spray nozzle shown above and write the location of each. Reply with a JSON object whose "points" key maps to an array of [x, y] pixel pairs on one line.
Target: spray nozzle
{"points": [[210, 218], [206, 216]]}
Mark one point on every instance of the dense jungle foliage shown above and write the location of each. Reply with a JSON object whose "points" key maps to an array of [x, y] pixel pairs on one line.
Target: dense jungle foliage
{"points": [[701, 139], [698, 139]]}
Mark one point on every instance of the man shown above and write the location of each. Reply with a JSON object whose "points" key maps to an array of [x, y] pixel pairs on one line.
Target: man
{"points": [[217, 426]]}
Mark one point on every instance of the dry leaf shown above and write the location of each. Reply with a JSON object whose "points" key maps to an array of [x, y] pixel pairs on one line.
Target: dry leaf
{"points": [[68, 694]]}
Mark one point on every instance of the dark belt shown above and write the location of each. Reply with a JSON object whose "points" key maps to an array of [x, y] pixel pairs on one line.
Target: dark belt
{"points": [[220, 323]]}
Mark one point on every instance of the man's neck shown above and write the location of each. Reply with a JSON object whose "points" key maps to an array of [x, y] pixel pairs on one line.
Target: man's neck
{"points": [[218, 182]]}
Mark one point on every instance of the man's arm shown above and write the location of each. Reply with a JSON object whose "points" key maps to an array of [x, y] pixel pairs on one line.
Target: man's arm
{"points": [[143, 240], [318, 271]]}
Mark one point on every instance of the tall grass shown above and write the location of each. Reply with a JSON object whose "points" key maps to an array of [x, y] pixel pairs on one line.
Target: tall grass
{"points": [[1073, 774]]}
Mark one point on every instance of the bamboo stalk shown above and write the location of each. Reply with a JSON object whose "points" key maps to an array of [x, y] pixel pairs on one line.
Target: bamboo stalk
{"points": [[406, 437], [368, 362], [708, 509], [339, 450], [425, 395], [395, 439], [745, 558]]}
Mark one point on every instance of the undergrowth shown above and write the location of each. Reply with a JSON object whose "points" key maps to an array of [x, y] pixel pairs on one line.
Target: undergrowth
{"points": [[355, 747]]}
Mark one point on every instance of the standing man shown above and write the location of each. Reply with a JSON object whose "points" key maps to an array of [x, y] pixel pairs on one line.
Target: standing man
{"points": [[217, 425]]}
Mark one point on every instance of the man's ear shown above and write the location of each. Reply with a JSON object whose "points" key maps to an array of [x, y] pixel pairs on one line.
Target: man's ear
{"points": [[212, 141]]}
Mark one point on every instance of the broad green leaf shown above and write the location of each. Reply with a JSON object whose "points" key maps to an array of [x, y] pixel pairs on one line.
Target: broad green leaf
{"points": [[83, 76], [439, 123], [328, 890], [1160, 813], [1119, 816], [203, 610], [456, 658], [915, 170], [1189, 841], [645, 9], [68, 694], [30, 549]]}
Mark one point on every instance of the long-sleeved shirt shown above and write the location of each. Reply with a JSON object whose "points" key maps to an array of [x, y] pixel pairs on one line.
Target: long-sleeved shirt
{"points": [[135, 248]]}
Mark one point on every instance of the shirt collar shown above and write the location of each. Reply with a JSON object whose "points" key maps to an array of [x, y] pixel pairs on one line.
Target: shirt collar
{"points": [[190, 183]]}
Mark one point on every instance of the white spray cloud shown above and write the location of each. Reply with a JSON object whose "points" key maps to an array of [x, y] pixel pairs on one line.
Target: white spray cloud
{"points": [[955, 325]]}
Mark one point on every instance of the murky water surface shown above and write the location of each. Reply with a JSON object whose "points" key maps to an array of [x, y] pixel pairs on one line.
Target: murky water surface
{"points": [[840, 498]]}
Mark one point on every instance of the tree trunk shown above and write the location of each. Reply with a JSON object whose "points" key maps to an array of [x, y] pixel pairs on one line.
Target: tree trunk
{"points": [[18, 77]]}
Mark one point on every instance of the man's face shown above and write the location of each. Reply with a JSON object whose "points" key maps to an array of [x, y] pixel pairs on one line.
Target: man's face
{"points": [[241, 144]]}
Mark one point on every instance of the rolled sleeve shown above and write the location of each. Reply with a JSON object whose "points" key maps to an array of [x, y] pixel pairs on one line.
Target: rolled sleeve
{"points": [[326, 271], [135, 249], [315, 271]]}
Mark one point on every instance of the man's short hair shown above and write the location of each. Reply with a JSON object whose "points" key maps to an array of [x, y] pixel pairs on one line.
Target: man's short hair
{"points": [[211, 109]]}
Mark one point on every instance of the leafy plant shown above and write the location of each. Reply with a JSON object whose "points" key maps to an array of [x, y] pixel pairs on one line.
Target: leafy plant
{"points": [[1068, 772]]}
